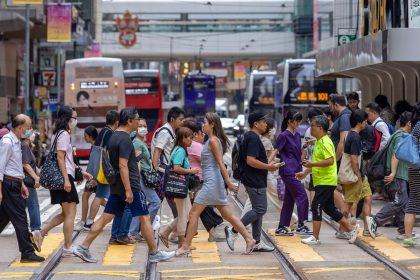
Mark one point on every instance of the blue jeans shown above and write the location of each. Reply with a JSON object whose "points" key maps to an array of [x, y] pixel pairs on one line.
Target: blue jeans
{"points": [[33, 209], [154, 205], [121, 224]]}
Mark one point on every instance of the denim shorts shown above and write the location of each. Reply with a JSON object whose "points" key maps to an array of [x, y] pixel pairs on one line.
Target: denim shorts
{"points": [[116, 204], [102, 191]]}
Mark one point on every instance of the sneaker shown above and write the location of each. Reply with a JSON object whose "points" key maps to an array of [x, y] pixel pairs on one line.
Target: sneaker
{"points": [[84, 254], [216, 239], [161, 256], [311, 240], [372, 226], [173, 239], [342, 235], [113, 241], [137, 238], [352, 221], [283, 231], [353, 234], [36, 239], [262, 247], [294, 222], [366, 233], [126, 240], [310, 216], [31, 258], [86, 227], [78, 226], [410, 242], [230, 238], [413, 236], [68, 252], [304, 230]]}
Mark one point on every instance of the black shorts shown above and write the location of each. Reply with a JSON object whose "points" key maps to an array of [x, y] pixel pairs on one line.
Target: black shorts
{"points": [[324, 201], [116, 204]]}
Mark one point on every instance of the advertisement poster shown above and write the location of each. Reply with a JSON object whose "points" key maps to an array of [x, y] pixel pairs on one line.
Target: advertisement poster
{"points": [[27, 2], [59, 23], [414, 13]]}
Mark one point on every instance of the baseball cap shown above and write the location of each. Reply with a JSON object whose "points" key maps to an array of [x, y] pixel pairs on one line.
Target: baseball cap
{"points": [[255, 116]]}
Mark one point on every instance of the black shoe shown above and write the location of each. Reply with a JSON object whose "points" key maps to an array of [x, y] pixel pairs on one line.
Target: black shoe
{"points": [[30, 258]]}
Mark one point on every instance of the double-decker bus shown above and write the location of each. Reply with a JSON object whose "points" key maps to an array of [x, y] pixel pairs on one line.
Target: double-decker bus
{"points": [[92, 86], [143, 90], [199, 94]]}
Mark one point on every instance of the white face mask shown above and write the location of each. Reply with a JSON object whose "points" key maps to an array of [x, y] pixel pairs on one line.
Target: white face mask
{"points": [[32, 137], [142, 131], [72, 123]]}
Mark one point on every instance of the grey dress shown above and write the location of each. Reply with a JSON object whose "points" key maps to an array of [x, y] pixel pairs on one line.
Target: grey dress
{"points": [[213, 191]]}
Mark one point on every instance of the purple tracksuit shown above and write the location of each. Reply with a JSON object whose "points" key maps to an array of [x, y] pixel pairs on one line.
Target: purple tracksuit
{"points": [[289, 147]]}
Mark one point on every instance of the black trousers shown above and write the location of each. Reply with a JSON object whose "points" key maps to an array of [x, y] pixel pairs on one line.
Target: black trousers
{"points": [[210, 218], [13, 209]]}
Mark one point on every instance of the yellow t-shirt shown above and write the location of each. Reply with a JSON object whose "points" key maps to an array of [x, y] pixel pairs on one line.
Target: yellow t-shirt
{"points": [[324, 176]]}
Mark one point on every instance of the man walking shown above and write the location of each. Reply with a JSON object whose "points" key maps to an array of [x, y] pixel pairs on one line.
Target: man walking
{"points": [[12, 191], [126, 191]]}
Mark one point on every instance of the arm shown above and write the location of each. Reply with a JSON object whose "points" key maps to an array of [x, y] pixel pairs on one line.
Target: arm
{"points": [[254, 162], [123, 167], [32, 173], [181, 170], [62, 164], [215, 149], [322, 163], [340, 146], [271, 155], [156, 157], [394, 166], [355, 166]]}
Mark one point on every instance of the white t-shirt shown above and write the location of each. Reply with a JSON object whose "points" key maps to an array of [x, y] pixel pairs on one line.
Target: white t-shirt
{"points": [[382, 127], [164, 141], [63, 144]]}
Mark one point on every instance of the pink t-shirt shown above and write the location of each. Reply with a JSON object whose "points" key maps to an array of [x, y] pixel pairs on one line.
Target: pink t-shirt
{"points": [[194, 156], [63, 144]]}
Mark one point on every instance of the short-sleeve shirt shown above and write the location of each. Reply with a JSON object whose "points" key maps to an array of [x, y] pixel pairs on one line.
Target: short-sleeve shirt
{"points": [[382, 127], [179, 157], [64, 144], [120, 146], [402, 169], [342, 123], [353, 144], [164, 140], [324, 176], [252, 146], [103, 137], [140, 146], [289, 147], [194, 156], [28, 156]]}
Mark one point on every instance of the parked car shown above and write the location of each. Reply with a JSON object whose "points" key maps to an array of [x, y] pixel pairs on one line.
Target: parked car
{"points": [[228, 124], [238, 129]]}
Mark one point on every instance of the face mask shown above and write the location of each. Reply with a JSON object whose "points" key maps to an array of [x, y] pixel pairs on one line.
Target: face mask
{"points": [[142, 131], [27, 133], [32, 137], [72, 123], [133, 134]]}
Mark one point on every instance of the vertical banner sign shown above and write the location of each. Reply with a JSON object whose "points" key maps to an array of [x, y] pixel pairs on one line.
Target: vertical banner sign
{"points": [[59, 23], [315, 25], [27, 2]]}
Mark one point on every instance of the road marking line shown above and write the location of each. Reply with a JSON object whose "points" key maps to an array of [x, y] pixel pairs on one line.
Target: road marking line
{"points": [[239, 276], [121, 273], [9, 275], [296, 250], [206, 252], [221, 268], [332, 269], [51, 242], [118, 255], [414, 267], [389, 248]]}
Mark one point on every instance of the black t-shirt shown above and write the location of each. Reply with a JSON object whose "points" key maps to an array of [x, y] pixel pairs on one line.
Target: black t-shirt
{"points": [[120, 146], [252, 146], [28, 156], [353, 145], [105, 134], [342, 123]]}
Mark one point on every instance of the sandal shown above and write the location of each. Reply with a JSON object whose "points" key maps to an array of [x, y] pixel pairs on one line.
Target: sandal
{"points": [[164, 240], [182, 254]]}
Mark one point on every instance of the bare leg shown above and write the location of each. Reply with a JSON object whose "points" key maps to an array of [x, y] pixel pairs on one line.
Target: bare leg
{"points": [[195, 213], [147, 233], [85, 205], [409, 220], [345, 224], [57, 220], [94, 207], [69, 211], [367, 209], [97, 228], [316, 228]]}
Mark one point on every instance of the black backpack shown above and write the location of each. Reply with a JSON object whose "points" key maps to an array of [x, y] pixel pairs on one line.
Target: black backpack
{"points": [[371, 141], [238, 160], [377, 166]]}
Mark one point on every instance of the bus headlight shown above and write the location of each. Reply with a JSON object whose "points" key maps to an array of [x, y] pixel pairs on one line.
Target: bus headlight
{"points": [[73, 86], [115, 84]]}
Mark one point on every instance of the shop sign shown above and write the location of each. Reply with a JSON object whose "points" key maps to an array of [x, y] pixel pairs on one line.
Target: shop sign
{"points": [[346, 35], [48, 78], [127, 25], [59, 23], [27, 2]]}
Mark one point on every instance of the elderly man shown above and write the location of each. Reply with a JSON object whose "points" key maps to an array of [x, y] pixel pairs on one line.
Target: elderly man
{"points": [[12, 192]]}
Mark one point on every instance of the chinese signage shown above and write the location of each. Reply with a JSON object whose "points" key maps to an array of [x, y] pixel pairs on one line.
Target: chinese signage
{"points": [[27, 2], [59, 23], [94, 85], [312, 96], [414, 13], [346, 35], [127, 25]]}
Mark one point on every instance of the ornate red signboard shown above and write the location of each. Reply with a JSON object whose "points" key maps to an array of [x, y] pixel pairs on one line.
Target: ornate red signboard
{"points": [[127, 25]]}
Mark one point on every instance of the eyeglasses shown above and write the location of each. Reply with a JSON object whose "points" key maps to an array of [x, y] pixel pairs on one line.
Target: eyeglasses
{"points": [[74, 118]]}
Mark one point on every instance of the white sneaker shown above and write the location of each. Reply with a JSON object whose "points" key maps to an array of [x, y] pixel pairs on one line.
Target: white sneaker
{"points": [[353, 234], [413, 236], [311, 240], [310, 216], [342, 235], [79, 226], [372, 226], [294, 222], [262, 247], [68, 252], [156, 223], [230, 238]]}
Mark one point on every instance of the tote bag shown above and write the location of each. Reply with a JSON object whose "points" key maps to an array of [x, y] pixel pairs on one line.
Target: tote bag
{"points": [[408, 151], [346, 174], [50, 176]]}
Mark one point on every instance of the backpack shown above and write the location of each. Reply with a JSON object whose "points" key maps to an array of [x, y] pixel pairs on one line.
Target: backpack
{"points": [[391, 128], [162, 154], [377, 167], [371, 141], [238, 161]]}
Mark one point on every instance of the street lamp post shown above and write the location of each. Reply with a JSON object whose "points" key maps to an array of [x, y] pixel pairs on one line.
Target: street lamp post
{"points": [[27, 57]]}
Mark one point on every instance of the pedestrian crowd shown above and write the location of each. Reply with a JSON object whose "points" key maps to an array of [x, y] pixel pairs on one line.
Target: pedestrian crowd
{"points": [[346, 158]]}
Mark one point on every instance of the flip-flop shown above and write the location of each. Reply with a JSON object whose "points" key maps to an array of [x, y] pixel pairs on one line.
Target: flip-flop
{"points": [[164, 240], [182, 254]]}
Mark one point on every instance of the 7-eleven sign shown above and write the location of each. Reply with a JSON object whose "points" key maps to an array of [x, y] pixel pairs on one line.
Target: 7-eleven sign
{"points": [[48, 78]]}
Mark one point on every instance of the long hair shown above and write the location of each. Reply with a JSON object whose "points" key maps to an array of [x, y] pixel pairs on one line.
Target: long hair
{"points": [[416, 115], [291, 115], [218, 131], [181, 134], [64, 115]]}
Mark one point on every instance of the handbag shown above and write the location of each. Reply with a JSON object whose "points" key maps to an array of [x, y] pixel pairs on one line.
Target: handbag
{"points": [[408, 151], [78, 174], [176, 185], [151, 178], [346, 174], [50, 176], [28, 180]]}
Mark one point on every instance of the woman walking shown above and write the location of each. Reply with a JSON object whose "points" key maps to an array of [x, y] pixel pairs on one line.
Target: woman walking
{"points": [[67, 197], [289, 146], [213, 191]]}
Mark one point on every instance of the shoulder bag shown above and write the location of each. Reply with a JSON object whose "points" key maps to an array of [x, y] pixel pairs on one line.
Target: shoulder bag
{"points": [[408, 151], [50, 176], [176, 185], [346, 174]]}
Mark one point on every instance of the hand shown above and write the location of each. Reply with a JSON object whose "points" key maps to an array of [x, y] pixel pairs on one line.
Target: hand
{"points": [[273, 166], [389, 179], [193, 171], [129, 197], [37, 184], [67, 185], [300, 175], [24, 191], [234, 188], [307, 164], [87, 175]]}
